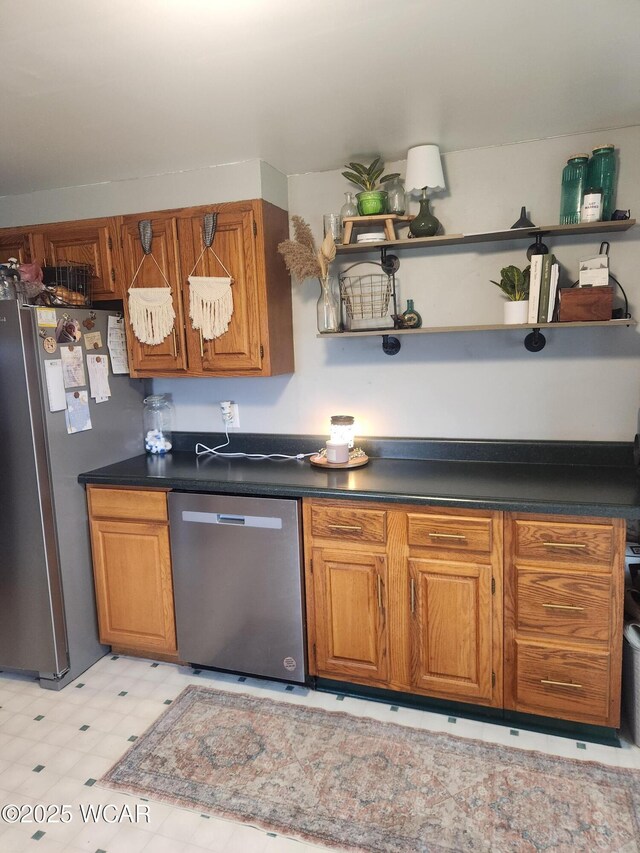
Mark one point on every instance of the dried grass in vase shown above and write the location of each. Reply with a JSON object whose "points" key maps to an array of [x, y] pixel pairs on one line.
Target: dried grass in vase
{"points": [[304, 260]]}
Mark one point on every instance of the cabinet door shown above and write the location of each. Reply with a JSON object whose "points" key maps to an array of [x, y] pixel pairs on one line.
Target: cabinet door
{"points": [[14, 244], [451, 625], [350, 614], [134, 590], [239, 349], [89, 242], [170, 355]]}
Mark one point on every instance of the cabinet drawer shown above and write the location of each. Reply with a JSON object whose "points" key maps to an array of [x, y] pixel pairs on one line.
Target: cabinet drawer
{"points": [[449, 532], [133, 504], [354, 525], [560, 542], [571, 605], [565, 682]]}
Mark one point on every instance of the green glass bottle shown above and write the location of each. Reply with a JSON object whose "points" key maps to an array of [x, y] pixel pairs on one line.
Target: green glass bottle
{"points": [[574, 181], [601, 172], [411, 319], [425, 223]]}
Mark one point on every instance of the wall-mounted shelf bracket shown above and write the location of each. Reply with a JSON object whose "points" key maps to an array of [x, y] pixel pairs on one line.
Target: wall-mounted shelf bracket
{"points": [[535, 341], [390, 345], [390, 263]]}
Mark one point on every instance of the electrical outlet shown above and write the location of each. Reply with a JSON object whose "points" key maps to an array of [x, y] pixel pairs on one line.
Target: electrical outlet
{"points": [[230, 414]]}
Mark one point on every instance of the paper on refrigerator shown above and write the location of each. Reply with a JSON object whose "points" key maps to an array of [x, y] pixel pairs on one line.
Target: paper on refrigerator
{"points": [[55, 385], [77, 413], [72, 366], [98, 367], [117, 345]]}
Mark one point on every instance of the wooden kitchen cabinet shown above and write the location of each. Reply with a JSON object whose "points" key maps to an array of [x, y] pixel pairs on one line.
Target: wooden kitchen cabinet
{"points": [[15, 243], [132, 570], [88, 241], [563, 616], [170, 356], [418, 610], [259, 340], [350, 605]]}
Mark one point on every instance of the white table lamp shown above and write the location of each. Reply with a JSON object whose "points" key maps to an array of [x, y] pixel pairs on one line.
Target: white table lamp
{"points": [[424, 171]]}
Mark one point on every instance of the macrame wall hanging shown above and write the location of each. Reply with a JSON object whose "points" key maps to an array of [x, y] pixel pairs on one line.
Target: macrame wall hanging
{"points": [[210, 297], [151, 311]]}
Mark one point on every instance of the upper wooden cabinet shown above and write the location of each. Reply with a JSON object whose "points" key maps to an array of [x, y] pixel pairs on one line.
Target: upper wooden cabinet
{"points": [[89, 241], [169, 356], [259, 340], [15, 243]]}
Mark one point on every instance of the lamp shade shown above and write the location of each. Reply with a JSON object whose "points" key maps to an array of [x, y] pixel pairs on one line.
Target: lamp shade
{"points": [[424, 169]]}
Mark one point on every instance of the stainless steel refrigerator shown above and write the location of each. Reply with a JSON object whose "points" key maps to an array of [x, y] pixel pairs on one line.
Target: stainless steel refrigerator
{"points": [[48, 623]]}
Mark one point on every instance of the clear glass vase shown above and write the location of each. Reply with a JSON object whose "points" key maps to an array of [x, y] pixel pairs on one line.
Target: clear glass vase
{"points": [[328, 310]]}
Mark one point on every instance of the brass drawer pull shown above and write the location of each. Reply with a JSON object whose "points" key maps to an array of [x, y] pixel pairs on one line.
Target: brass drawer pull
{"points": [[447, 536], [560, 683], [379, 592], [201, 345], [563, 545], [344, 527], [413, 595], [562, 607]]}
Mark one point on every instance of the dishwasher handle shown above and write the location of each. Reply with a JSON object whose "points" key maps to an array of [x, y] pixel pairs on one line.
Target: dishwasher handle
{"points": [[264, 521]]}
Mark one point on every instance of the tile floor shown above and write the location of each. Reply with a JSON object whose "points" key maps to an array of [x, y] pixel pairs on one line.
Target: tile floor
{"points": [[55, 745]]}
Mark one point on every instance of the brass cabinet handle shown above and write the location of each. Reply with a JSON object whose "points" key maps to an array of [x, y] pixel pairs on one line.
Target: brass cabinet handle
{"points": [[344, 527], [413, 595], [562, 607], [447, 536], [201, 345], [379, 592], [563, 545], [560, 683]]}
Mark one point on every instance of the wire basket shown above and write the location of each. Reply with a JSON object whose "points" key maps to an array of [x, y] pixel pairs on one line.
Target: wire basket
{"points": [[69, 282], [366, 300]]}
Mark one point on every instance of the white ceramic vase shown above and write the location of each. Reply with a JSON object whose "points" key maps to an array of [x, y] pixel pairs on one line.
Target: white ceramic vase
{"points": [[516, 312]]}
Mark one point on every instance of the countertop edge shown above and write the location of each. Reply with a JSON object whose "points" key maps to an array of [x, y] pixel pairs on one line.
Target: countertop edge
{"points": [[271, 490]]}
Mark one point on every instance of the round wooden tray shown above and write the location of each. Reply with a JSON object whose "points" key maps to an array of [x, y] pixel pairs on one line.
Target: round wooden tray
{"points": [[321, 462]]}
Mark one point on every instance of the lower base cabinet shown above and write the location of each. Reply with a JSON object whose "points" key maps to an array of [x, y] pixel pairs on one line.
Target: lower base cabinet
{"points": [[514, 611], [406, 600], [132, 569], [564, 616]]}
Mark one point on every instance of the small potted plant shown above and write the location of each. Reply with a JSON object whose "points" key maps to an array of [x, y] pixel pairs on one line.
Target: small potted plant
{"points": [[371, 201], [514, 283]]}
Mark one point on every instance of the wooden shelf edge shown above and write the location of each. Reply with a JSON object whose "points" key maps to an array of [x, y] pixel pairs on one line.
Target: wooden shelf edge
{"points": [[489, 236], [430, 330]]}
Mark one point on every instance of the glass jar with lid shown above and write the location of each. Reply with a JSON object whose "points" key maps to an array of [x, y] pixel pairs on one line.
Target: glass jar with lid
{"points": [[342, 429], [574, 182], [601, 172], [157, 421]]}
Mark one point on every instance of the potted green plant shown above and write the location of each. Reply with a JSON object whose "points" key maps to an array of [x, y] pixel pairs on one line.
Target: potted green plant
{"points": [[371, 200], [514, 283]]}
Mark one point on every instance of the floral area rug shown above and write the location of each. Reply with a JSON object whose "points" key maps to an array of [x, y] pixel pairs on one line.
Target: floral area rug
{"points": [[356, 783]]}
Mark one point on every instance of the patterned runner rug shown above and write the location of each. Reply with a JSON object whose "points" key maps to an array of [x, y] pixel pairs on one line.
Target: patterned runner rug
{"points": [[356, 783]]}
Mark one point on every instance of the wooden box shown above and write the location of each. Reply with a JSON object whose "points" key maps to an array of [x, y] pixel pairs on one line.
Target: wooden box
{"points": [[581, 304]]}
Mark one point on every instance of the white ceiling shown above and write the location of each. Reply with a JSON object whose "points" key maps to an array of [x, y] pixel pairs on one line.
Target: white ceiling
{"points": [[100, 90]]}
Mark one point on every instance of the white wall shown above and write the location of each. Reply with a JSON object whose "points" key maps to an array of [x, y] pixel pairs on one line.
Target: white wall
{"points": [[211, 185], [583, 385]]}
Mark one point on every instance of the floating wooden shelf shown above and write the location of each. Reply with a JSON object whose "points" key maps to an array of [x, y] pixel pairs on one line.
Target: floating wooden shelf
{"points": [[490, 236], [502, 327]]}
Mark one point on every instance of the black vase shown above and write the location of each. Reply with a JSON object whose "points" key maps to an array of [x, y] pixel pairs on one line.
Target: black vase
{"points": [[425, 223]]}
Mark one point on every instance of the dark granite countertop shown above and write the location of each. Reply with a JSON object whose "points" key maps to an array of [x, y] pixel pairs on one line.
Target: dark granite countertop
{"points": [[579, 487]]}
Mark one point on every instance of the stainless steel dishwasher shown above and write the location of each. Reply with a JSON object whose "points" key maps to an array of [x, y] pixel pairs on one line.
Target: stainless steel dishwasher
{"points": [[237, 575]]}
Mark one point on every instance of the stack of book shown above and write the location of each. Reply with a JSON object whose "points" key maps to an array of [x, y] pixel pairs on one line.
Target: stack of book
{"points": [[543, 288]]}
